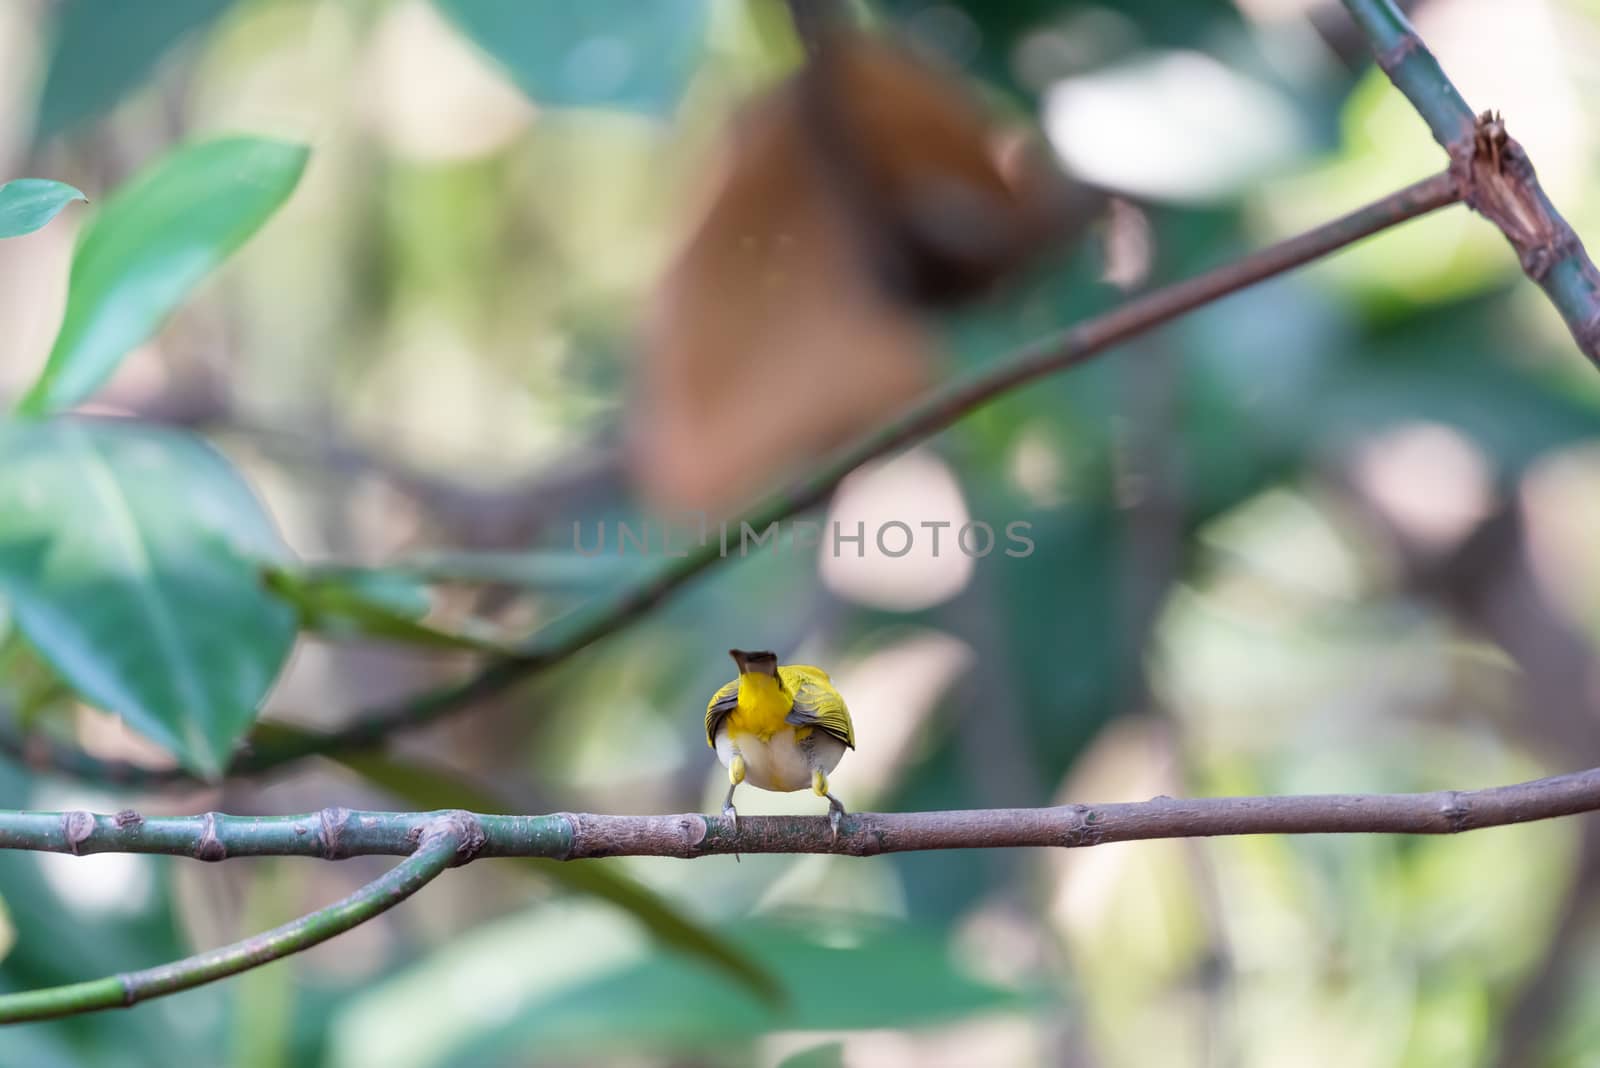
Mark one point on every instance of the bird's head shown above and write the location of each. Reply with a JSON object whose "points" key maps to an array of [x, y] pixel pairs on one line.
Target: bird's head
{"points": [[762, 663]]}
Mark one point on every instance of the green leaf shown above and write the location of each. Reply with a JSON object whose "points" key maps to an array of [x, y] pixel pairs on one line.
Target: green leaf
{"points": [[153, 242], [357, 603], [434, 788], [26, 204], [842, 974], [131, 558], [601, 53], [104, 48]]}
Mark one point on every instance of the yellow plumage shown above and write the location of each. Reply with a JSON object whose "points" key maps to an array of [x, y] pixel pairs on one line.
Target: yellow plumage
{"points": [[780, 728], [767, 709]]}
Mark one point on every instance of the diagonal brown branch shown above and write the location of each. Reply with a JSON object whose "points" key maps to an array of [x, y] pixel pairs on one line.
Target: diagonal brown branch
{"points": [[272, 747]]}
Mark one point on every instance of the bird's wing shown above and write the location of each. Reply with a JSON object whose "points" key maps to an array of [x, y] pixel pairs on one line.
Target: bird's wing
{"points": [[807, 671], [817, 703], [723, 702]]}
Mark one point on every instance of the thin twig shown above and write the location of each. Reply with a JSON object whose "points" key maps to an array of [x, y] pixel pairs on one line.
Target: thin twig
{"points": [[1497, 178], [433, 849], [272, 748], [433, 841]]}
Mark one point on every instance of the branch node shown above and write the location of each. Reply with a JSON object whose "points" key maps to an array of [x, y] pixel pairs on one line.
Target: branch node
{"points": [[333, 820], [1390, 58], [209, 847], [1456, 812], [575, 845], [77, 826], [1538, 261], [1497, 181], [867, 840], [1083, 830], [692, 829], [467, 831]]}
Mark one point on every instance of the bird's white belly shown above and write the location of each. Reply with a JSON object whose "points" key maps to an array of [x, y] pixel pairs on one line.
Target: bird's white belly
{"points": [[781, 763]]}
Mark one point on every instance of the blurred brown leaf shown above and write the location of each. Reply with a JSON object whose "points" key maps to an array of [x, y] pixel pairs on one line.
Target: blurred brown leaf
{"points": [[846, 204]]}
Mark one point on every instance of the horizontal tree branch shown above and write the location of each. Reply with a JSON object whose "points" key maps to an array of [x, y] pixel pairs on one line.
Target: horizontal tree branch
{"points": [[271, 746], [1497, 178], [433, 841], [338, 833]]}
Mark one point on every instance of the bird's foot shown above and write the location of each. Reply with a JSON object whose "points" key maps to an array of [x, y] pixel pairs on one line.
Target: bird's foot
{"points": [[731, 814], [836, 816]]}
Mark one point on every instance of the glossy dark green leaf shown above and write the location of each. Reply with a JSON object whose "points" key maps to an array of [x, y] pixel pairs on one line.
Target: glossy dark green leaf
{"points": [[841, 975], [434, 788], [152, 242], [601, 53], [105, 48], [131, 559], [26, 204]]}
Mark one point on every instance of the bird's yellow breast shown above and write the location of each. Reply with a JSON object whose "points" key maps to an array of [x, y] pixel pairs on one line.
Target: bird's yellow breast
{"points": [[763, 704]]}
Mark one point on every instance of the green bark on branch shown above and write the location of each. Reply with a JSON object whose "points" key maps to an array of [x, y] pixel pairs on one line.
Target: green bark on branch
{"points": [[434, 846], [1496, 177]]}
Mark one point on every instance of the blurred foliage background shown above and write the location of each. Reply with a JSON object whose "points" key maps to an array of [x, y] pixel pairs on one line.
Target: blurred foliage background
{"points": [[1329, 535]]}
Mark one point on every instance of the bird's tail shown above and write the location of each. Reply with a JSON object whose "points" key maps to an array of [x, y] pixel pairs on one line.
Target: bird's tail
{"points": [[755, 663]]}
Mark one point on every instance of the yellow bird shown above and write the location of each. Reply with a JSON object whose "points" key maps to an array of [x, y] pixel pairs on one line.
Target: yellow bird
{"points": [[779, 728]]}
